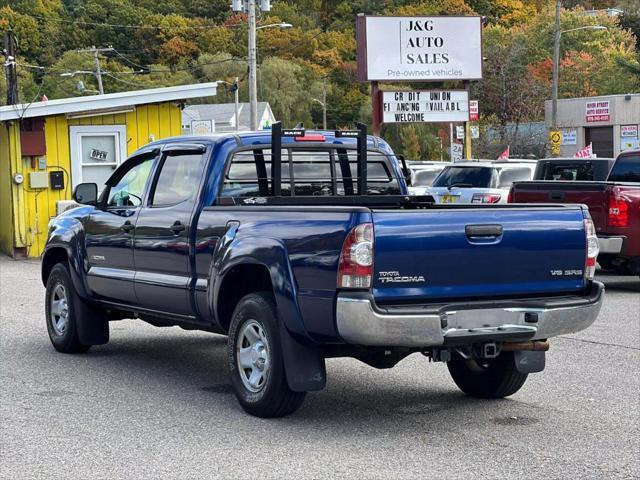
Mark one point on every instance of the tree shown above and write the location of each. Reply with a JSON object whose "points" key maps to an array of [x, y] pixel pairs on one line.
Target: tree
{"points": [[280, 84]]}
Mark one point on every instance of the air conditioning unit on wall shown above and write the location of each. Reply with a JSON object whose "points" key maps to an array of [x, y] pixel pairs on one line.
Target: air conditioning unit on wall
{"points": [[64, 205]]}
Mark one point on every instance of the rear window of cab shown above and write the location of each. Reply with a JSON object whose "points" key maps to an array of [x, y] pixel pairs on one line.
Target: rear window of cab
{"points": [[307, 172]]}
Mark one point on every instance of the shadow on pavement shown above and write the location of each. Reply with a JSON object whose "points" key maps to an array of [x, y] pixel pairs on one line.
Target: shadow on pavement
{"points": [[192, 369]]}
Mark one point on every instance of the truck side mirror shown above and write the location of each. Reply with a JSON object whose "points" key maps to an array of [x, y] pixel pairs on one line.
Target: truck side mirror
{"points": [[405, 170], [86, 193]]}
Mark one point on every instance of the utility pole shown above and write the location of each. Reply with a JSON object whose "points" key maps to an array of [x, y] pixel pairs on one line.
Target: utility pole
{"points": [[98, 72], [324, 103], [253, 83], [237, 99], [10, 52], [556, 67], [467, 129]]}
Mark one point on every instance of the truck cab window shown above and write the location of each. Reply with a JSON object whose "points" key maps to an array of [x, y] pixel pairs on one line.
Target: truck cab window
{"points": [[626, 169], [381, 180], [178, 179], [129, 188], [312, 172], [249, 174]]}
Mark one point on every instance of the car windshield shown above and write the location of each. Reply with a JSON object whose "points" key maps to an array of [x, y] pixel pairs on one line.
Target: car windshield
{"points": [[626, 169], [472, 177], [424, 178]]}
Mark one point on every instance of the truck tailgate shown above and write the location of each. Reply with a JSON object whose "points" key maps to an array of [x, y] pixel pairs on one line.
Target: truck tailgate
{"points": [[592, 194], [423, 255]]}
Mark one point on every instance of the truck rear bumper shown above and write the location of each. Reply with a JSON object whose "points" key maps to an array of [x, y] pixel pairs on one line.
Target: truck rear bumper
{"points": [[361, 322], [611, 245]]}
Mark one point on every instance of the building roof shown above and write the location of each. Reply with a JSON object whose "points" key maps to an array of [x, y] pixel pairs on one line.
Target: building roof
{"points": [[223, 114], [107, 102]]}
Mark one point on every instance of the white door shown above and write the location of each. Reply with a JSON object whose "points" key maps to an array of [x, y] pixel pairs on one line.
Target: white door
{"points": [[96, 151]]}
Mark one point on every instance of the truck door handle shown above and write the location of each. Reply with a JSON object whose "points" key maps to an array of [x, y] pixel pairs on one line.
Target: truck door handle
{"points": [[177, 227], [475, 231], [127, 226], [558, 196]]}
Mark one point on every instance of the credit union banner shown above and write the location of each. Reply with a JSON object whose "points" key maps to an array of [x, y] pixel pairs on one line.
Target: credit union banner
{"points": [[425, 106]]}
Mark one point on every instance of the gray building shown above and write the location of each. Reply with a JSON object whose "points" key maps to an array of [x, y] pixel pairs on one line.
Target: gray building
{"points": [[610, 123], [220, 117]]}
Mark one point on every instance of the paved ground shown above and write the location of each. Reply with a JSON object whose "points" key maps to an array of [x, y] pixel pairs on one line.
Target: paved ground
{"points": [[156, 403]]}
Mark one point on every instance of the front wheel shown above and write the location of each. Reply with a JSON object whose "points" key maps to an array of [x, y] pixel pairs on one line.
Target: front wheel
{"points": [[73, 324], [256, 364], [490, 378]]}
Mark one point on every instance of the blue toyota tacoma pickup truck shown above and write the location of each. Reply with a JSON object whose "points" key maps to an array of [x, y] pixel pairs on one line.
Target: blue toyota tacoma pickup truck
{"points": [[301, 246]]}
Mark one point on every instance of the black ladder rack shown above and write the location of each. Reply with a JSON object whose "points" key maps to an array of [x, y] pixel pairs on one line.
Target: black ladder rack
{"points": [[277, 132]]}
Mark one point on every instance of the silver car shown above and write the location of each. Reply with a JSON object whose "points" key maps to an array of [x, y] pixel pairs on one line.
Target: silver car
{"points": [[479, 182]]}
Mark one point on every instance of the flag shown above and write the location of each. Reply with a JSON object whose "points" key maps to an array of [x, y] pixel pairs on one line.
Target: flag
{"points": [[586, 152], [504, 155], [44, 98]]}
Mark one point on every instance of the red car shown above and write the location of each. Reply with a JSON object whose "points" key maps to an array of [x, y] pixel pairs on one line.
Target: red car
{"points": [[614, 206]]}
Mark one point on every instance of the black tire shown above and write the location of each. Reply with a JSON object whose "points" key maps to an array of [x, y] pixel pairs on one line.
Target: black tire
{"points": [[256, 312], [494, 378], [79, 315]]}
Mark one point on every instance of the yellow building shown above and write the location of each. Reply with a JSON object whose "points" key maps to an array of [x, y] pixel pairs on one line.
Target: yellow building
{"points": [[47, 148]]}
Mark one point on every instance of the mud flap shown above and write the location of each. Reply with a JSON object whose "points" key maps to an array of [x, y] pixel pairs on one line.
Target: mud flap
{"points": [[529, 361], [93, 327], [303, 364]]}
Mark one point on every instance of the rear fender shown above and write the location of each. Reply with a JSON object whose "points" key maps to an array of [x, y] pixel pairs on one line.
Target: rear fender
{"points": [[271, 254], [304, 364]]}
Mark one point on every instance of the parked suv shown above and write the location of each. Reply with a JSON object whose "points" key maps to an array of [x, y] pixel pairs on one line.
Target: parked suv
{"points": [[479, 182]]}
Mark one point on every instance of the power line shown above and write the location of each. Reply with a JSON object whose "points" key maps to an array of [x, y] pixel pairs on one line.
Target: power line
{"points": [[119, 25]]}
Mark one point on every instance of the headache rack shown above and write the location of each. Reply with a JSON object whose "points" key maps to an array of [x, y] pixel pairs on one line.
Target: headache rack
{"points": [[361, 198]]}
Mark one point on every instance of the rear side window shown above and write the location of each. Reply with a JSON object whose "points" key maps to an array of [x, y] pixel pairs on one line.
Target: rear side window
{"points": [[509, 175], [471, 177], [312, 172], [626, 169], [424, 178], [557, 171], [179, 176]]}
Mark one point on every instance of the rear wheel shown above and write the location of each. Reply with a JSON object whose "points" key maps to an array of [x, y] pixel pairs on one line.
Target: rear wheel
{"points": [[255, 359], [487, 378]]}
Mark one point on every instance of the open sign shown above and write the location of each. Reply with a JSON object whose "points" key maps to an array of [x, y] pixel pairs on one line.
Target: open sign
{"points": [[99, 155]]}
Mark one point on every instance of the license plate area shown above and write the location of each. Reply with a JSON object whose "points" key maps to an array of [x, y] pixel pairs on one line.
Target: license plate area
{"points": [[449, 198]]}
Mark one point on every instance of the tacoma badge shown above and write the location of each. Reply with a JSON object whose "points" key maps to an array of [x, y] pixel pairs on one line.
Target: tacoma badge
{"points": [[395, 277]]}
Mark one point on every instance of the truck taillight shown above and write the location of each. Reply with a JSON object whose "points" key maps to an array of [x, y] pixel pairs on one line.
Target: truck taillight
{"points": [[485, 198], [592, 249], [355, 268], [510, 196], [618, 210]]}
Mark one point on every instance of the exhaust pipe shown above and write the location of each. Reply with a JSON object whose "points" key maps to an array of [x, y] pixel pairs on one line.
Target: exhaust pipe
{"points": [[533, 345]]}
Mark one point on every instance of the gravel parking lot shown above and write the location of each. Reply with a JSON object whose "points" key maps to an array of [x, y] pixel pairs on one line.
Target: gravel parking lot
{"points": [[156, 403]]}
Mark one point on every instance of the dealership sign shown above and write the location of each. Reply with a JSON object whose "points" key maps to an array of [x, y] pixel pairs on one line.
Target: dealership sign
{"points": [[598, 111], [629, 130], [419, 48], [473, 111], [425, 106]]}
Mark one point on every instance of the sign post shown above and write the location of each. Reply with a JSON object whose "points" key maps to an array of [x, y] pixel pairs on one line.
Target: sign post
{"points": [[555, 140]]}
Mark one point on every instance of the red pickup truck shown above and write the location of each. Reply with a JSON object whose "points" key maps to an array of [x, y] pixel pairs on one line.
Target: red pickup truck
{"points": [[614, 206]]}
